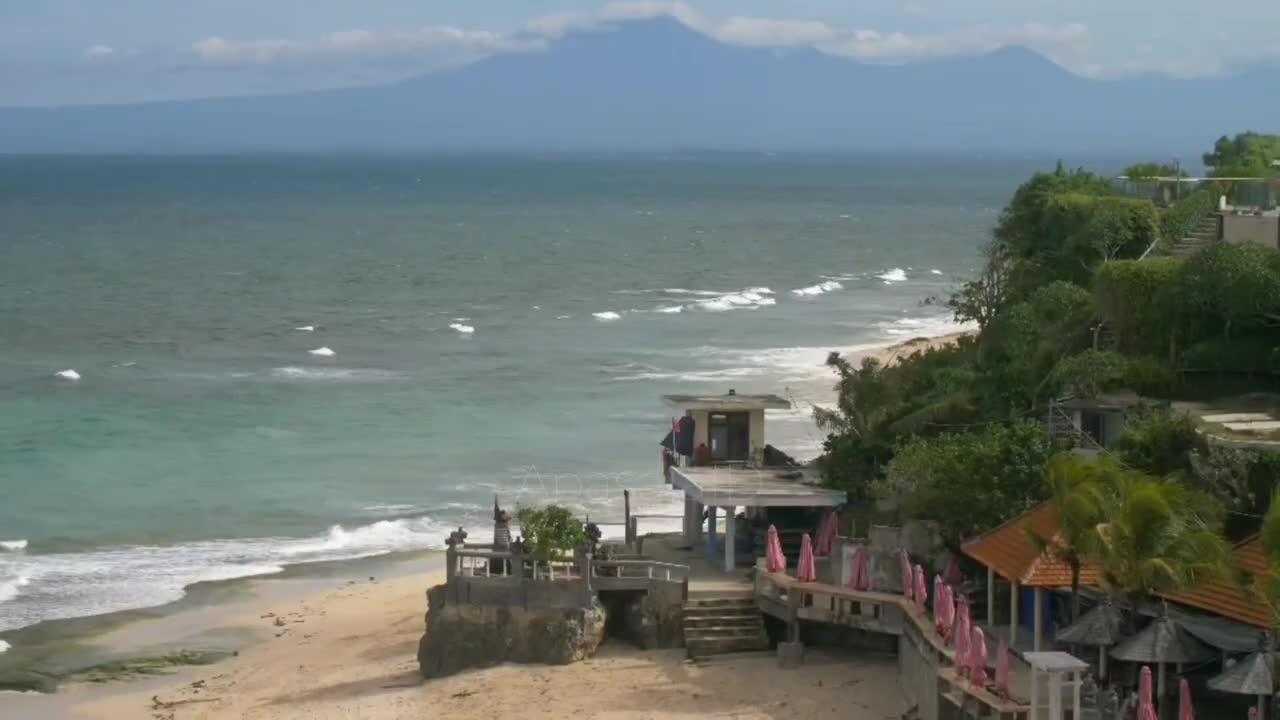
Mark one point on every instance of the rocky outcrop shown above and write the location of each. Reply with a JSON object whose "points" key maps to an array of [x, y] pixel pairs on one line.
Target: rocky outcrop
{"points": [[650, 624], [475, 636]]}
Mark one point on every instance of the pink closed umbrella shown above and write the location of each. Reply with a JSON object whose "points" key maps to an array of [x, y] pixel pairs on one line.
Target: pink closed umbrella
{"points": [[806, 571], [962, 642], [921, 592], [953, 576], [1185, 709], [1002, 671], [1146, 708], [1253, 713], [774, 560], [860, 578], [937, 604], [960, 628], [947, 599], [907, 581], [826, 534], [978, 657]]}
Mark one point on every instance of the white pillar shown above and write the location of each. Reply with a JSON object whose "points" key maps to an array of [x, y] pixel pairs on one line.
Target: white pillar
{"points": [[729, 551], [1037, 617], [1075, 695], [1055, 696], [711, 531], [697, 521], [991, 598], [1013, 614], [1035, 693], [688, 520]]}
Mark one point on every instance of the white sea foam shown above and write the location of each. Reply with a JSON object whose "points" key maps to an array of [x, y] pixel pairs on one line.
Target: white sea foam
{"points": [[821, 288], [935, 271], [749, 298], [464, 329], [931, 326], [323, 352], [335, 374], [77, 584], [306, 328], [670, 309], [4, 646], [606, 315], [13, 545], [68, 375], [563, 317], [894, 275]]}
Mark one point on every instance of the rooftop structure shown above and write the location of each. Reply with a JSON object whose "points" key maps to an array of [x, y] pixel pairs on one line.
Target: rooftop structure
{"points": [[1226, 597]]}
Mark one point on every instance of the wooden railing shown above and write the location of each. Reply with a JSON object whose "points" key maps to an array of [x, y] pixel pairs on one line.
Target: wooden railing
{"points": [[481, 575]]}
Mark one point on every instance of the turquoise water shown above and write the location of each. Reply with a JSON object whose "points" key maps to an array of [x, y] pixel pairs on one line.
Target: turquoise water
{"points": [[204, 438]]}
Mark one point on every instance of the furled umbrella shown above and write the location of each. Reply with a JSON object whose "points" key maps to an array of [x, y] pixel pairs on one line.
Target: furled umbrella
{"points": [[961, 636], [953, 576], [947, 599], [806, 571], [1002, 671], [1255, 713], [921, 592], [1162, 642], [939, 615], [907, 579], [826, 534], [1251, 675], [1146, 708], [978, 657], [774, 560], [1185, 709], [860, 578], [1100, 627]]}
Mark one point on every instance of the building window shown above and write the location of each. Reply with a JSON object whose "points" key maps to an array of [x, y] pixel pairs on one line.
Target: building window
{"points": [[730, 436]]}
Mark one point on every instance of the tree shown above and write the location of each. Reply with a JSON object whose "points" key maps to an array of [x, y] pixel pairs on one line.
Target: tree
{"points": [[1148, 170], [1230, 286], [968, 482], [1153, 539], [1248, 154], [980, 300], [551, 531], [1160, 442], [1077, 488]]}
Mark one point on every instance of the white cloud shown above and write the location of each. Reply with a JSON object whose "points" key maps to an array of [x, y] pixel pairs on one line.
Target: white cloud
{"points": [[98, 52], [434, 41]]}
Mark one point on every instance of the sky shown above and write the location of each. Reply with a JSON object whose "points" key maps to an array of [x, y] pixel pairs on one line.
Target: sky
{"points": [[59, 52]]}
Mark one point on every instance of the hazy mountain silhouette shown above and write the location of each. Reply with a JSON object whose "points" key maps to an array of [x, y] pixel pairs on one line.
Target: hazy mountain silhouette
{"points": [[657, 84]]}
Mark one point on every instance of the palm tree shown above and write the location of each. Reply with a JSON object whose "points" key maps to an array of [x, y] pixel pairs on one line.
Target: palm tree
{"points": [[1268, 586], [1151, 540], [1077, 488]]}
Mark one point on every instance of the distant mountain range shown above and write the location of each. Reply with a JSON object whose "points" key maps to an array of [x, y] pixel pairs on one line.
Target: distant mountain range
{"points": [[656, 84]]}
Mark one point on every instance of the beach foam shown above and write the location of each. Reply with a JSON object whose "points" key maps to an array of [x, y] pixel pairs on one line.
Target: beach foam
{"points": [[894, 275], [819, 289], [78, 584], [68, 375], [13, 545], [754, 297], [335, 374], [931, 326], [464, 329], [323, 352], [4, 646], [606, 315], [671, 309], [306, 328], [935, 271]]}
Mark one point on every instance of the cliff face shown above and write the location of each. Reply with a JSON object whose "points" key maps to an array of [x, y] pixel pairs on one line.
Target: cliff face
{"points": [[475, 636]]}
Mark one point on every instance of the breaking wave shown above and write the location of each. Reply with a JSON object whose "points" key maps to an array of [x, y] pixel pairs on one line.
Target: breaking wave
{"points": [[819, 289]]}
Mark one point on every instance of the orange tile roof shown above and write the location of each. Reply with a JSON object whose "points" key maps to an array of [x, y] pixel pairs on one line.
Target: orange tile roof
{"points": [[1226, 597], [1008, 550]]}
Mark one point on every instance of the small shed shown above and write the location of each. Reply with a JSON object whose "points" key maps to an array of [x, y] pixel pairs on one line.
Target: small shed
{"points": [[731, 426], [1101, 418]]}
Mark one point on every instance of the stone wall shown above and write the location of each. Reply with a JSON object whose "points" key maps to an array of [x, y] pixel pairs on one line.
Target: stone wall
{"points": [[650, 622], [464, 636]]}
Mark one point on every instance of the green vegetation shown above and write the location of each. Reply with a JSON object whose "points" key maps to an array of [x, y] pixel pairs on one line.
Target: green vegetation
{"points": [[1148, 170], [1248, 154], [1076, 490], [551, 531], [1071, 303]]}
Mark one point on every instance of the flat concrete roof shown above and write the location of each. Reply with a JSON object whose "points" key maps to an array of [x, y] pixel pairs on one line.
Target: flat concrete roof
{"points": [[765, 487], [727, 402]]}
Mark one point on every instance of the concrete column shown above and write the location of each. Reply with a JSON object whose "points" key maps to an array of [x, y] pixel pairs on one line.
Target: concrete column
{"points": [[729, 530], [1038, 618], [1013, 614], [711, 532], [1055, 696], [687, 534], [991, 597], [697, 520], [1075, 694]]}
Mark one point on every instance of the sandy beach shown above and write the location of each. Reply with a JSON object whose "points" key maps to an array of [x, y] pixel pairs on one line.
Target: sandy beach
{"points": [[349, 651]]}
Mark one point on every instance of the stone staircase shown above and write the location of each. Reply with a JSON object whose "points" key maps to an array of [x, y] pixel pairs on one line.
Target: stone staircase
{"points": [[719, 625], [1204, 234]]}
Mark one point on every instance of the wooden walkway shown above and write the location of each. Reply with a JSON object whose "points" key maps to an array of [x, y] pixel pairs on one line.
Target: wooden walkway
{"points": [[790, 600]]}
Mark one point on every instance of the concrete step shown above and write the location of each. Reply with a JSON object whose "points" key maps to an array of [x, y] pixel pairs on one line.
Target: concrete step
{"points": [[722, 621], [711, 633], [743, 603], [720, 646]]}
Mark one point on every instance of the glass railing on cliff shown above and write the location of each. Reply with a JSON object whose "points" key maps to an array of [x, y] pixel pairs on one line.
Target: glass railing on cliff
{"points": [[1241, 193]]}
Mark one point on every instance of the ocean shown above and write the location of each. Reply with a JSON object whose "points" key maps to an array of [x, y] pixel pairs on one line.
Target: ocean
{"points": [[212, 368]]}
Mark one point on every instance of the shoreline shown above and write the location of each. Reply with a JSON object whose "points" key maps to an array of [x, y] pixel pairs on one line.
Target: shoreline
{"points": [[220, 616]]}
